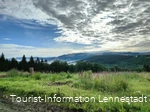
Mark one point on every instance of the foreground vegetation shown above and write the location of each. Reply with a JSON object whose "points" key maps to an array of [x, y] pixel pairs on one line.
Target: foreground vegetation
{"points": [[83, 84]]}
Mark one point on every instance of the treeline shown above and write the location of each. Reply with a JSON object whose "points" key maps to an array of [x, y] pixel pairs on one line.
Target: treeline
{"points": [[42, 65], [57, 66]]}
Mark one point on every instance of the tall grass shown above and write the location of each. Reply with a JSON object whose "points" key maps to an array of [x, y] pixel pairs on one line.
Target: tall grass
{"points": [[37, 76], [87, 84], [103, 83], [16, 73]]}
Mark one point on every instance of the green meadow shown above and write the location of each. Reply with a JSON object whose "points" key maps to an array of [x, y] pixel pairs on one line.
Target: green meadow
{"points": [[86, 84]]}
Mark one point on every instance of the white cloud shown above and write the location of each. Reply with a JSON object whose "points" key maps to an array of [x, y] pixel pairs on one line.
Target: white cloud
{"points": [[30, 26], [7, 39], [102, 24], [94, 22], [18, 50], [24, 9]]}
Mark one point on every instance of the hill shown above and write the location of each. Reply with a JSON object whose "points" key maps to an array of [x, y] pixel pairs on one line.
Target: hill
{"points": [[124, 61]]}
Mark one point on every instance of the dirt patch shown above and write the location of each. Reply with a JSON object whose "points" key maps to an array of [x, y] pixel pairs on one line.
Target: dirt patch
{"points": [[6, 106], [3, 76], [59, 83]]}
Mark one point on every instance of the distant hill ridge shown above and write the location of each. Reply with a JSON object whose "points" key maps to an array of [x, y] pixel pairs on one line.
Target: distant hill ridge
{"points": [[123, 59]]}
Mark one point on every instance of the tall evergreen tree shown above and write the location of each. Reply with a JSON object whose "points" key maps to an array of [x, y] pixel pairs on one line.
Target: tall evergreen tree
{"points": [[2, 57], [37, 64], [13, 63], [23, 64], [31, 62], [2, 62], [37, 60]]}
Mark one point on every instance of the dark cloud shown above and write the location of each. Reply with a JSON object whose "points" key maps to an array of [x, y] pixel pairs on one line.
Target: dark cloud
{"points": [[141, 46], [78, 14]]}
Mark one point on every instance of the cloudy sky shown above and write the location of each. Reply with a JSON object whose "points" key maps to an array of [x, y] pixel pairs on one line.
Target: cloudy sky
{"points": [[55, 27]]}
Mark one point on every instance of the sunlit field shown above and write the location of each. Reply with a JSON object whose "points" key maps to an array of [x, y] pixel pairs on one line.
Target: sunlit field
{"points": [[85, 84]]}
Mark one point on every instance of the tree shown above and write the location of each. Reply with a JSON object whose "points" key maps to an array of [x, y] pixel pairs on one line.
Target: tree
{"points": [[31, 62], [37, 60], [2, 57], [71, 68], [23, 64], [96, 67], [2, 62], [13, 63], [42, 61], [55, 66], [115, 69], [64, 66], [45, 61], [146, 68], [80, 66], [37, 64]]}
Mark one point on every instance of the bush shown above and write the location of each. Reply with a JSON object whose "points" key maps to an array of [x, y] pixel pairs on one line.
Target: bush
{"points": [[87, 74], [100, 85], [3, 89], [54, 77], [13, 73], [85, 81], [86, 84], [37, 76], [122, 85], [68, 76]]}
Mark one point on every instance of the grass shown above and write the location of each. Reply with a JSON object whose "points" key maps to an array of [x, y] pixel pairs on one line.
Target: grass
{"points": [[74, 85]]}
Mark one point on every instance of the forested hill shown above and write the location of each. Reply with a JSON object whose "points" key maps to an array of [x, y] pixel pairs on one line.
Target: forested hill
{"points": [[125, 61]]}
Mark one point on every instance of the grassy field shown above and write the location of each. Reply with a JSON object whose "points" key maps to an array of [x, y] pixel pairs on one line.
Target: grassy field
{"points": [[86, 84]]}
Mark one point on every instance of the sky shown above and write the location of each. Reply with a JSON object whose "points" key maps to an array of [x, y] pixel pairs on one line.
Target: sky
{"points": [[48, 28]]}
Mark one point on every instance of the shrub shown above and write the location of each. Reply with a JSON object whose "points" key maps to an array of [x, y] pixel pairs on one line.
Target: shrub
{"points": [[54, 77], [37, 76], [100, 85], [88, 74], [86, 84], [3, 89], [68, 76], [85, 81], [13, 73], [122, 85]]}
